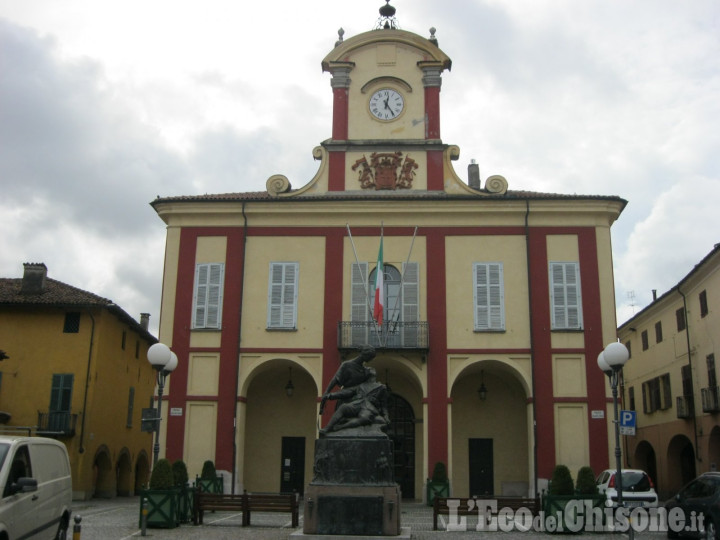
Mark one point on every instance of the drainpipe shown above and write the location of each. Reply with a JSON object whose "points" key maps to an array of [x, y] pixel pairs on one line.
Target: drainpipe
{"points": [[237, 370], [692, 385], [81, 450], [532, 347]]}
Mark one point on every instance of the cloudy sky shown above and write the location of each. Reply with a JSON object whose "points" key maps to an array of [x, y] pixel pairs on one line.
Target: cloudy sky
{"points": [[105, 105]]}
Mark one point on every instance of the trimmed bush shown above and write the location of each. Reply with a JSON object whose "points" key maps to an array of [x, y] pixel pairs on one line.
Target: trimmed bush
{"points": [[439, 473], [180, 473], [585, 482], [208, 470], [561, 482], [162, 475]]}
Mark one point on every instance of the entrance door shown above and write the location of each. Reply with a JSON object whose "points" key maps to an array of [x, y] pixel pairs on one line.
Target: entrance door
{"points": [[292, 468], [481, 467], [402, 434]]}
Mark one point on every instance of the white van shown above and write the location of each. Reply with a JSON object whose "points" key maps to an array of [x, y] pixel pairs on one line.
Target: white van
{"points": [[36, 488]]}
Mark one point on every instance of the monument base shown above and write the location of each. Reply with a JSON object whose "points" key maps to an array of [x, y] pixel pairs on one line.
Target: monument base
{"points": [[352, 510]]}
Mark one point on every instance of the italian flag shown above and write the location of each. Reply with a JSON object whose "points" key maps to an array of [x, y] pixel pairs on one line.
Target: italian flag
{"points": [[379, 304]]}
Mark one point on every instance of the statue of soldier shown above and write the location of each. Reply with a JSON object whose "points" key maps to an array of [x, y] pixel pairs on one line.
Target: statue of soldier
{"points": [[350, 373]]}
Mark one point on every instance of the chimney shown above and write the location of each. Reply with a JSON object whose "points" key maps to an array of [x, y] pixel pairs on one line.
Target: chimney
{"points": [[145, 320], [654, 291], [474, 175], [33, 278]]}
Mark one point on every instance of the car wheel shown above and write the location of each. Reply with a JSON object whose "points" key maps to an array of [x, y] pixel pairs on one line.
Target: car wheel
{"points": [[62, 530]]}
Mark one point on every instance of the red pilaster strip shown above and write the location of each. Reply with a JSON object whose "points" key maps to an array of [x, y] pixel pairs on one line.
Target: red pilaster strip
{"points": [[437, 358], [435, 170], [336, 180], [542, 357], [229, 346], [432, 112], [340, 114], [333, 308], [592, 322]]}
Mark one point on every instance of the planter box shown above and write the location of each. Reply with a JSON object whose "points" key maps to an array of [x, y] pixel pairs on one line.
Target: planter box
{"points": [[437, 489], [186, 504], [209, 485], [161, 506], [561, 517]]}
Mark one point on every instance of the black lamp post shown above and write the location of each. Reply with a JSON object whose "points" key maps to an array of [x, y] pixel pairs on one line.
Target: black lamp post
{"points": [[611, 361], [164, 361]]}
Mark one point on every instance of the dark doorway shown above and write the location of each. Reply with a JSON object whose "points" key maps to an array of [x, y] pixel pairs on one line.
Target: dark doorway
{"points": [[292, 467], [481, 467], [402, 434]]}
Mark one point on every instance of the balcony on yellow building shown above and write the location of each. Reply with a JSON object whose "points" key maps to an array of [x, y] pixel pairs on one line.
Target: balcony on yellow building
{"points": [[391, 335], [56, 424]]}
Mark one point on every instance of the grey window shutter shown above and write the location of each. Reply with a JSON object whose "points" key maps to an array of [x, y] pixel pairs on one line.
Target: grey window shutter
{"points": [[359, 311]]}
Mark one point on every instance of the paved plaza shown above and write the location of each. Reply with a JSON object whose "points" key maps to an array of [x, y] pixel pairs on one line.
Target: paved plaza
{"points": [[117, 519]]}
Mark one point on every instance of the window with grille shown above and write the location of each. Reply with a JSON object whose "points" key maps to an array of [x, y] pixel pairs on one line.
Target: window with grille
{"points": [[72, 323], [565, 297], [282, 295], [488, 296], [207, 299]]}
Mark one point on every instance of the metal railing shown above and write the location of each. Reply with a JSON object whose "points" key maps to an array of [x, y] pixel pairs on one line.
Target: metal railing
{"points": [[684, 407], [710, 399], [390, 335], [56, 424]]}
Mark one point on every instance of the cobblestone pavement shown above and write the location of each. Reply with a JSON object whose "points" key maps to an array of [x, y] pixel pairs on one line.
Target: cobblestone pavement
{"points": [[117, 519]]}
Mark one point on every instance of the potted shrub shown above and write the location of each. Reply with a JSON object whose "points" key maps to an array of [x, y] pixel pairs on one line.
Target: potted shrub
{"points": [[560, 491], [185, 493], [438, 485], [585, 483], [209, 481], [161, 499]]}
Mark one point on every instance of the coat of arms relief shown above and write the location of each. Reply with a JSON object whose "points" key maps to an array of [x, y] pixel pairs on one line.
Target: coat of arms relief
{"points": [[386, 171]]}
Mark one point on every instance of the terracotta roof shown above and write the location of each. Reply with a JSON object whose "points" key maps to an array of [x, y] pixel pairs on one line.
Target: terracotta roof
{"points": [[54, 293], [59, 294], [263, 196]]}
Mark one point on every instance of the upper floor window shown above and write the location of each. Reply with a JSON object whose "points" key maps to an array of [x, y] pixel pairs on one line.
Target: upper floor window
{"points": [[656, 394], [124, 339], [489, 296], [712, 375], [703, 304], [565, 296], [72, 323], [644, 339], [131, 404], [631, 398], [680, 318], [629, 348], [658, 332], [282, 295], [207, 300]]}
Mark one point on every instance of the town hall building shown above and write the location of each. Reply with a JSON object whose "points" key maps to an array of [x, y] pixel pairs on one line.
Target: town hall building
{"points": [[496, 301]]}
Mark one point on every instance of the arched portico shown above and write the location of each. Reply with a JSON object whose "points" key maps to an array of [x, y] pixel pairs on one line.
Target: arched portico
{"points": [[104, 479], [680, 462], [277, 425], [123, 474], [490, 436], [644, 458]]}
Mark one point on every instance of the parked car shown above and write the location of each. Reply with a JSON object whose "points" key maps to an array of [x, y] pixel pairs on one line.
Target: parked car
{"points": [[637, 488], [701, 495], [36, 488]]}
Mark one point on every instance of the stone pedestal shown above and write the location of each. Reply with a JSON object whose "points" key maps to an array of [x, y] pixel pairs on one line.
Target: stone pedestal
{"points": [[353, 490]]}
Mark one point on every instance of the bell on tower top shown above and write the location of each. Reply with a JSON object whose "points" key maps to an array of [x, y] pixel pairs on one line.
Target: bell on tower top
{"points": [[387, 19]]}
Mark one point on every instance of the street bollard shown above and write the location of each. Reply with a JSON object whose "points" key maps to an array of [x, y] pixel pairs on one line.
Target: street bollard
{"points": [[143, 521], [76, 527]]}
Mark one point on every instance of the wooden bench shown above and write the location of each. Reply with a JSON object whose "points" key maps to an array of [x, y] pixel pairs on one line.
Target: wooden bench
{"points": [[247, 503], [272, 502], [469, 506]]}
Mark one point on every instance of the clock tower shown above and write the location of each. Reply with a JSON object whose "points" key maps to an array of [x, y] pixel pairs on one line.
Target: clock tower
{"points": [[386, 118]]}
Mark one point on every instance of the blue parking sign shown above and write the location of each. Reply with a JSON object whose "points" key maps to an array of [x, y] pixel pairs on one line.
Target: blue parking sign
{"points": [[627, 422]]}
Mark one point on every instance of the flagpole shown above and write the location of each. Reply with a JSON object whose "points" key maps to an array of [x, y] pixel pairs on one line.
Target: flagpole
{"points": [[364, 281], [402, 275]]}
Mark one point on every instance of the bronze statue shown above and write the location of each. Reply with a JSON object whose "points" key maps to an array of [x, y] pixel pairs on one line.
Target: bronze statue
{"points": [[350, 373], [364, 404]]}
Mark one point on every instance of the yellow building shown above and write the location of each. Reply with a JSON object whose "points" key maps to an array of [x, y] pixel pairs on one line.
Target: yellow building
{"points": [[77, 370], [265, 294], [671, 380]]}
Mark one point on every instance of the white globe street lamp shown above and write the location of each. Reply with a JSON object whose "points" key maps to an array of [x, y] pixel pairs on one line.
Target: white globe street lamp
{"points": [[164, 361], [611, 361]]}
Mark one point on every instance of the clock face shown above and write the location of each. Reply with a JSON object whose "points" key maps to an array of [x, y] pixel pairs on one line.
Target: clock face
{"points": [[386, 104]]}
